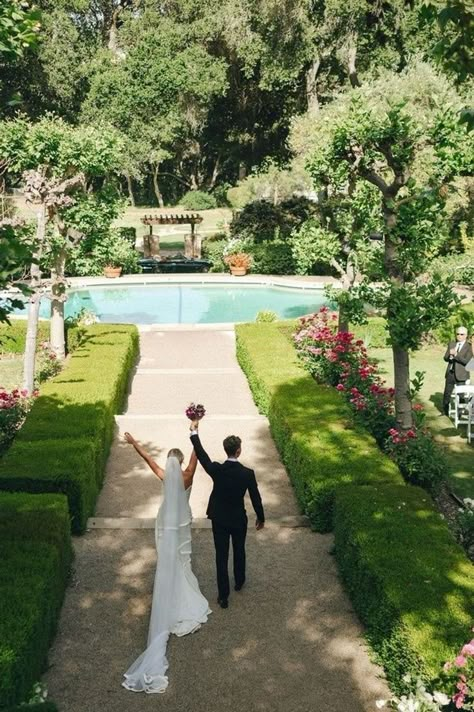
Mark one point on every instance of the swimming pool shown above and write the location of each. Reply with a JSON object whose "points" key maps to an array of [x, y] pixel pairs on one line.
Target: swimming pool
{"points": [[189, 303]]}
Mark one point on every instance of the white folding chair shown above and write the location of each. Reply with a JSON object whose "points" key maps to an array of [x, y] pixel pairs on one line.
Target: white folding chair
{"points": [[463, 396], [470, 422]]}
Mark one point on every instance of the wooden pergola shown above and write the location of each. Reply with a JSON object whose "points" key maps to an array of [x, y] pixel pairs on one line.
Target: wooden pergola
{"points": [[192, 245]]}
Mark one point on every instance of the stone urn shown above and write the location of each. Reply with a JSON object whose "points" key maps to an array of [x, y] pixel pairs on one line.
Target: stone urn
{"points": [[112, 272]]}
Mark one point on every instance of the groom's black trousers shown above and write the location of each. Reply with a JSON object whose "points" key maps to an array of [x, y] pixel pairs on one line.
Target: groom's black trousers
{"points": [[222, 536]]}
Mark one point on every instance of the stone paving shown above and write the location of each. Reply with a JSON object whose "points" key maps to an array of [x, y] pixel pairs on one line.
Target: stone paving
{"points": [[288, 642]]}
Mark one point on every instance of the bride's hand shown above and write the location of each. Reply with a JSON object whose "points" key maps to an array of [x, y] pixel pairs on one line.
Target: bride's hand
{"points": [[128, 438]]}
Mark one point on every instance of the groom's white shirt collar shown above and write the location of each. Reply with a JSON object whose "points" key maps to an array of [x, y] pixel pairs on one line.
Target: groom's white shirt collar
{"points": [[232, 459]]}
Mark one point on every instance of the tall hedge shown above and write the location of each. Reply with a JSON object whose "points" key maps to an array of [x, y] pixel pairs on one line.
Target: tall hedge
{"points": [[35, 555], [312, 426], [409, 581], [64, 444]]}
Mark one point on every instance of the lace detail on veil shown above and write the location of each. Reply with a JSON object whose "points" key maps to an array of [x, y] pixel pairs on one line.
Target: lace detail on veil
{"points": [[178, 606]]}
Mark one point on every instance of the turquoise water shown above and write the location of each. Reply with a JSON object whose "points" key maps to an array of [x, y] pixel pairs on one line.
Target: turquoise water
{"points": [[189, 303]]}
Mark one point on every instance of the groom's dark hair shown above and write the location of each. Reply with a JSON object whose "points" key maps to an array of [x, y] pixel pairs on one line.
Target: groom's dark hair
{"points": [[231, 444]]}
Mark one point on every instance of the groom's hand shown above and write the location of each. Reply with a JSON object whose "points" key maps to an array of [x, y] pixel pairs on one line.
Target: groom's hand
{"points": [[194, 426], [259, 525]]}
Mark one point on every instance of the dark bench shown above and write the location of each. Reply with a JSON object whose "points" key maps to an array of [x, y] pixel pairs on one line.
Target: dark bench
{"points": [[150, 265]]}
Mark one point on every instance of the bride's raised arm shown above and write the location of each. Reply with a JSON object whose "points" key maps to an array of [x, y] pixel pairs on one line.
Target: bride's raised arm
{"points": [[159, 472], [188, 473]]}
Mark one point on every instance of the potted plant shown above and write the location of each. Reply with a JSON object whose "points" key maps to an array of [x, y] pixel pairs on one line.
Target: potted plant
{"points": [[114, 254], [239, 263]]}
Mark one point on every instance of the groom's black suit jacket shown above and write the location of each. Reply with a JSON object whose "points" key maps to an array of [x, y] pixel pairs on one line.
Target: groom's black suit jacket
{"points": [[231, 482]]}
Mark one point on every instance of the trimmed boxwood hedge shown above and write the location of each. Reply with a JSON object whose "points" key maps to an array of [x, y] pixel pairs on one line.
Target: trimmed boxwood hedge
{"points": [[65, 440], [409, 581], [35, 555], [311, 424]]}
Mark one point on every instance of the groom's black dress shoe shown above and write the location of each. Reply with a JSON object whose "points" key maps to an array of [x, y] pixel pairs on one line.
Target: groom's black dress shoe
{"points": [[223, 602], [239, 587]]}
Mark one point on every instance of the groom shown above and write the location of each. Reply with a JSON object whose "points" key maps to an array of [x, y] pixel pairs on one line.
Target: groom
{"points": [[226, 509]]}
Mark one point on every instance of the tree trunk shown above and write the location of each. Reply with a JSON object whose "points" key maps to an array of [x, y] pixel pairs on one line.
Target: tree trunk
{"points": [[130, 189], [351, 61], [57, 333], [34, 304], [215, 172], [401, 367], [156, 185], [242, 170], [311, 86]]}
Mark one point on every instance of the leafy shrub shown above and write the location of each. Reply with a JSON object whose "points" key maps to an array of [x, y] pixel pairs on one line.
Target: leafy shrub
{"points": [[337, 359], [272, 257], [310, 423], [36, 554], [258, 221], [239, 196], [465, 524], [128, 233], [410, 583], [110, 249], [47, 364], [266, 316], [462, 315], [214, 252], [198, 200], [64, 443]]}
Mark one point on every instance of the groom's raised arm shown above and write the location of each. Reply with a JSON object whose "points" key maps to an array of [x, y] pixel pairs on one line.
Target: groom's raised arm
{"points": [[202, 455]]}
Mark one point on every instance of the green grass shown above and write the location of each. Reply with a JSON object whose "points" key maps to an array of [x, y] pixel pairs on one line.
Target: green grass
{"points": [[410, 583], [11, 371], [36, 554], [64, 442], [212, 221], [312, 426], [459, 454]]}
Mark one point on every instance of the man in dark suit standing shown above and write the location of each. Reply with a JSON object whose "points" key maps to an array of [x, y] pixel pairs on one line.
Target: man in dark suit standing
{"points": [[457, 355], [226, 509]]}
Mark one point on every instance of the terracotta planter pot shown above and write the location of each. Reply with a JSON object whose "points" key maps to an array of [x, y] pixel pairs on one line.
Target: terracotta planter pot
{"points": [[112, 272], [238, 271]]}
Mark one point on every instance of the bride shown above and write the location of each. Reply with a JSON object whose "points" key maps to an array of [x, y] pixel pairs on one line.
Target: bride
{"points": [[178, 605]]}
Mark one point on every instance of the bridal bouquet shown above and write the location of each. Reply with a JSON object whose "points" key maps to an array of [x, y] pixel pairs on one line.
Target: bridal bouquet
{"points": [[195, 411]]}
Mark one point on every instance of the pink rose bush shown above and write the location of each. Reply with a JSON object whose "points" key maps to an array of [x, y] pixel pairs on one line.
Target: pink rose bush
{"points": [[458, 679], [14, 405], [340, 360]]}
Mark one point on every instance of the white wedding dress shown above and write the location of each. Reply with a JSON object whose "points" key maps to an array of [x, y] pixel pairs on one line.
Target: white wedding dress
{"points": [[178, 605]]}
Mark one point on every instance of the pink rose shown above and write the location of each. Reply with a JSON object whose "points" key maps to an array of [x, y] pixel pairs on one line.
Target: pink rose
{"points": [[339, 387], [460, 661], [468, 649]]}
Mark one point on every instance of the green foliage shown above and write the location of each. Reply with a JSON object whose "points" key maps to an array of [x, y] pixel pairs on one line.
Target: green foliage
{"points": [[458, 268], [213, 250], [265, 316], [67, 452], [198, 200], [456, 21], [410, 583], [311, 425], [19, 27], [272, 257], [110, 249], [15, 256], [258, 221], [36, 554], [462, 315]]}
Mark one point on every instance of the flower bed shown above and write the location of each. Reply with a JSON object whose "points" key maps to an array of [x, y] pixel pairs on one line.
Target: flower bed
{"points": [[310, 423], [340, 360], [14, 405], [410, 583], [64, 443], [36, 554]]}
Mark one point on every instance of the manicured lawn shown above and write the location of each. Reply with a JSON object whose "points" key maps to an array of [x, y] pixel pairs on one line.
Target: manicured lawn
{"points": [[459, 454], [11, 371]]}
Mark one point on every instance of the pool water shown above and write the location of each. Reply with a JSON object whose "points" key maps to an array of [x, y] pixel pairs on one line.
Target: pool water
{"points": [[189, 303]]}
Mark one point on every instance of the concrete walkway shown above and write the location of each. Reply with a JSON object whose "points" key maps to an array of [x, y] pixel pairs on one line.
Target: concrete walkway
{"points": [[289, 641]]}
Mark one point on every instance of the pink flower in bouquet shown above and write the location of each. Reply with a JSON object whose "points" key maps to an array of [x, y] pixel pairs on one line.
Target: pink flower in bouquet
{"points": [[195, 411]]}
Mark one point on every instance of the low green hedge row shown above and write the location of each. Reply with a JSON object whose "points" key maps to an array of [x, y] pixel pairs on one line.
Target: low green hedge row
{"points": [[410, 583], [311, 424], [35, 555], [65, 440]]}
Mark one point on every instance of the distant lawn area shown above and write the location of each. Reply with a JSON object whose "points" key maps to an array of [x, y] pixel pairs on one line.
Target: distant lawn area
{"points": [[11, 370], [171, 236], [459, 453]]}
